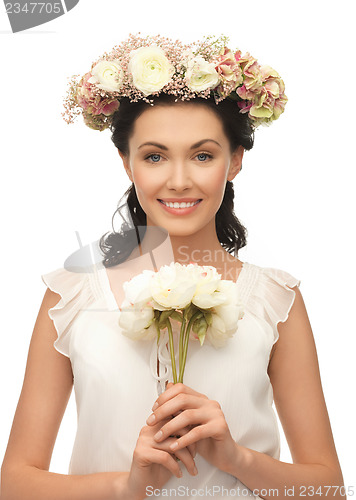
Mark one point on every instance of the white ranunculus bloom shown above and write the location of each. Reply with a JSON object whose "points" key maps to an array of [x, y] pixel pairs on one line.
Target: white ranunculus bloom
{"points": [[201, 74], [172, 287], [226, 315], [137, 289], [217, 334], [207, 293], [134, 322], [107, 75], [150, 68]]}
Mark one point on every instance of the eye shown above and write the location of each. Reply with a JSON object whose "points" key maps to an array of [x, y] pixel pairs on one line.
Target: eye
{"points": [[155, 157], [203, 156]]}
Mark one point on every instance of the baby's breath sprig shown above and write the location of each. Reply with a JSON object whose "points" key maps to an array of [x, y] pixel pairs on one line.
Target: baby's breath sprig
{"points": [[72, 109]]}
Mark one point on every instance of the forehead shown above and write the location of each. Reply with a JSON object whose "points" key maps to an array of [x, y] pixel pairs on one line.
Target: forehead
{"points": [[185, 120]]}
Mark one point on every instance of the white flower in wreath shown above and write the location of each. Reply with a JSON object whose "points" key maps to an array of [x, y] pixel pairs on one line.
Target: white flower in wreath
{"points": [[201, 74], [150, 68], [107, 75], [187, 55]]}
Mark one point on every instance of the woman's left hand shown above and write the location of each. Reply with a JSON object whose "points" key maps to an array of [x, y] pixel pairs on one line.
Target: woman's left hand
{"points": [[209, 429]]}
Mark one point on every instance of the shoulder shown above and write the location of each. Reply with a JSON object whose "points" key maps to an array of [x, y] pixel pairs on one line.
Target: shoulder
{"points": [[273, 275], [295, 333], [68, 292], [268, 293], [71, 285]]}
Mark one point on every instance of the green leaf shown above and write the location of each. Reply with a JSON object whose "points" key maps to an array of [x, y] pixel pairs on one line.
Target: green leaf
{"points": [[164, 315], [199, 323], [177, 316], [201, 338], [150, 322], [208, 318]]}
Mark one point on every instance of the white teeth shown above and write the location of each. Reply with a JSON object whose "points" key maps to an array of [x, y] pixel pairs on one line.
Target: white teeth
{"points": [[179, 205]]}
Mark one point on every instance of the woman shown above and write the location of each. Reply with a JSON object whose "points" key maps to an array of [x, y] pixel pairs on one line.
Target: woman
{"points": [[218, 430]]}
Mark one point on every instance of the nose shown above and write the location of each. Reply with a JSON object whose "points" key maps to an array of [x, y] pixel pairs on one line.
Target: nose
{"points": [[179, 176]]}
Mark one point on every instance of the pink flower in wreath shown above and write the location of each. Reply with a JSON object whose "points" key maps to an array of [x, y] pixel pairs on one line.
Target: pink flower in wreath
{"points": [[228, 68], [251, 71], [90, 99], [271, 99]]}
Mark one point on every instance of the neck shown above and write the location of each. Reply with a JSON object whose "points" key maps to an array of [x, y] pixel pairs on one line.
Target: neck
{"points": [[203, 248], [198, 249]]}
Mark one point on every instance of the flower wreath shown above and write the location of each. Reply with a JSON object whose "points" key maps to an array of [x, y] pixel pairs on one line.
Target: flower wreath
{"points": [[146, 66]]}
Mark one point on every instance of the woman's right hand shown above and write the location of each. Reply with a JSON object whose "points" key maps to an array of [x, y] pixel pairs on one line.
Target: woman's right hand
{"points": [[154, 463]]}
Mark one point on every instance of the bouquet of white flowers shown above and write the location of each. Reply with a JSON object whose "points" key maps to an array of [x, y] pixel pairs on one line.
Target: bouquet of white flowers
{"points": [[205, 305]]}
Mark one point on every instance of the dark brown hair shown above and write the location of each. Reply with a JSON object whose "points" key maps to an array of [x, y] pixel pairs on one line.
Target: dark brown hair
{"points": [[117, 246]]}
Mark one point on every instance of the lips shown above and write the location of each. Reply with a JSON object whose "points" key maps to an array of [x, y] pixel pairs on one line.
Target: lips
{"points": [[195, 202], [186, 200], [183, 211]]}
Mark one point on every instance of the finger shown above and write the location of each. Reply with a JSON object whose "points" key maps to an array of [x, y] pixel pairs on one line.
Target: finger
{"points": [[185, 456], [174, 389], [193, 436], [176, 405], [156, 426], [166, 459], [191, 447], [184, 419]]}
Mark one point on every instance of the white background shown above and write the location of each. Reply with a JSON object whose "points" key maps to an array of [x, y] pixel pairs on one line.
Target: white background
{"points": [[294, 194]]}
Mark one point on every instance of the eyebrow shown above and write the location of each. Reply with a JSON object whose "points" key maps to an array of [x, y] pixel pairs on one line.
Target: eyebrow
{"points": [[161, 146]]}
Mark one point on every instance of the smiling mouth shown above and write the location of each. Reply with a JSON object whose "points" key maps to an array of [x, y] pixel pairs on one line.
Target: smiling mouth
{"points": [[171, 204]]}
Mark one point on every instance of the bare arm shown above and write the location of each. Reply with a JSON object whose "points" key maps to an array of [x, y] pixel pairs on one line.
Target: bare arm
{"points": [[44, 397], [299, 399]]}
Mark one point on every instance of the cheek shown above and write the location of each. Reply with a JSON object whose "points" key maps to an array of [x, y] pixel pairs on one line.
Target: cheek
{"points": [[216, 180], [214, 187], [146, 183]]}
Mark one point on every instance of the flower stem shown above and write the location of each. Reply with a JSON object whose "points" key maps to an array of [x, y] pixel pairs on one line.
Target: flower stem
{"points": [[158, 331], [181, 336], [171, 349], [185, 350]]}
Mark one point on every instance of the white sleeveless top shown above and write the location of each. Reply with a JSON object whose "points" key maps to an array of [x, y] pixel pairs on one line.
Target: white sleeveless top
{"points": [[116, 381]]}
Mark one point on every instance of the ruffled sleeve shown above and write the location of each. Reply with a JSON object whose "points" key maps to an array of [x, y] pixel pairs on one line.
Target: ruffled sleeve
{"points": [[272, 297], [74, 289]]}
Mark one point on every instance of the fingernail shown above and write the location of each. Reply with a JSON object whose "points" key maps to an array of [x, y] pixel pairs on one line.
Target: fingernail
{"points": [[180, 473], [195, 470], [158, 435], [174, 445], [154, 406], [151, 419]]}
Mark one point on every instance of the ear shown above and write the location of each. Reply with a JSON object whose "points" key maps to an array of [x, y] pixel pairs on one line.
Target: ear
{"points": [[235, 163], [126, 163]]}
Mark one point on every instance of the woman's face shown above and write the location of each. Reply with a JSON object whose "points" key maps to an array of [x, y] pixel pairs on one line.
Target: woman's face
{"points": [[179, 152]]}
